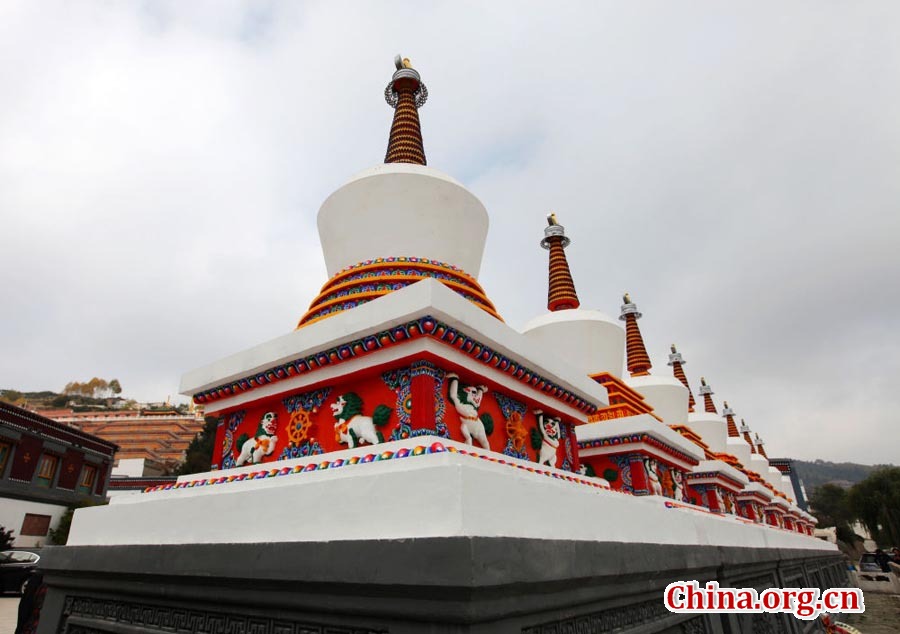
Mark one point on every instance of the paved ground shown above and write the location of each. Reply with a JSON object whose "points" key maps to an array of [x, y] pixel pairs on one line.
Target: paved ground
{"points": [[9, 607], [882, 615]]}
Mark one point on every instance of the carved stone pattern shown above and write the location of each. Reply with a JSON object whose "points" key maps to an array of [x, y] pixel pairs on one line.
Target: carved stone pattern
{"points": [[761, 582], [842, 579], [609, 620], [767, 624], [793, 572], [696, 625], [816, 579], [183, 620]]}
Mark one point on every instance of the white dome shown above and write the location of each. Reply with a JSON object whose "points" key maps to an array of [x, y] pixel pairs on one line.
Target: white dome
{"points": [[788, 487], [739, 448], [400, 209], [666, 395], [712, 428], [761, 466], [775, 478], [587, 339]]}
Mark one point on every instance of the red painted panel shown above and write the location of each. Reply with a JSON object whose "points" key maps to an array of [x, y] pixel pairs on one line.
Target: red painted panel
{"points": [[395, 402], [26, 458], [70, 469], [423, 387], [604, 467], [712, 501], [694, 496]]}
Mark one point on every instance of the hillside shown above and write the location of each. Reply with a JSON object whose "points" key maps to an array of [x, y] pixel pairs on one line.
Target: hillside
{"points": [[83, 402], [819, 472]]}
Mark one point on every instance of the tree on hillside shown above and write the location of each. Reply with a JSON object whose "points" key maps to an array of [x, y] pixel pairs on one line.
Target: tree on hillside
{"points": [[831, 506], [198, 456], [12, 397], [95, 388], [876, 501]]}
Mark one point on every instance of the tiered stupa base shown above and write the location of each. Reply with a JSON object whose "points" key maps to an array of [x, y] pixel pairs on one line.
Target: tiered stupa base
{"points": [[440, 537]]}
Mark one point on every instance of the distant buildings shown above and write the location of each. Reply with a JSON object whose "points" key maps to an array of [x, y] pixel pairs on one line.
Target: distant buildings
{"points": [[151, 441], [45, 467]]}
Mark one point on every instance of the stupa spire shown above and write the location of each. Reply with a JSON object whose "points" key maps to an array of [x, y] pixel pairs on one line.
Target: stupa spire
{"points": [[706, 392], [728, 413], [759, 447], [561, 293], [745, 432], [638, 362], [405, 93], [676, 361]]}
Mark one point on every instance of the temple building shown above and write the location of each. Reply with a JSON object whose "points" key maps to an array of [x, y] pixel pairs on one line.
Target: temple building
{"points": [[45, 467], [406, 461], [151, 441]]}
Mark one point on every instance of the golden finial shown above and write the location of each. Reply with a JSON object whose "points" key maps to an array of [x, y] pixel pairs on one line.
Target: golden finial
{"points": [[551, 219], [402, 62], [702, 380], [673, 349], [726, 404], [626, 298]]}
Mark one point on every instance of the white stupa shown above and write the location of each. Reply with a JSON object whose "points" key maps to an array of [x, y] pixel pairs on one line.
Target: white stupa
{"points": [[589, 339]]}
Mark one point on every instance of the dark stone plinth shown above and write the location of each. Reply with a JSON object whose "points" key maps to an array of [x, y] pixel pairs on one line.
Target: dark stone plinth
{"points": [[436, 585]]}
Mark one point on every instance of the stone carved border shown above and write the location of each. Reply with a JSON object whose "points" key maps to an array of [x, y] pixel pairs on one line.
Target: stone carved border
{"points": [[87, 615], [612, 620]]}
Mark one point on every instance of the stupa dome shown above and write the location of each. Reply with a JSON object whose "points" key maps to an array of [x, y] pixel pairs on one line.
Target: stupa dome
{"points": [[667, 396], [713, 429], [587, 339], [402, 209], [397, 223]]}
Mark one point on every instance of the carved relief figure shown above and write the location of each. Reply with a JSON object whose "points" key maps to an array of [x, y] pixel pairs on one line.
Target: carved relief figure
{"points": [[351, 427], [653, 484], [719, 503], [729, 503], [253, 450], [678, 485], [548, 428], [466, 400]]}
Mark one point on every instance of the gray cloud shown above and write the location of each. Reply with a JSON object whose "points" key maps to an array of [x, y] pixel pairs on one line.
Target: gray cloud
{"points": [[734, 169]]}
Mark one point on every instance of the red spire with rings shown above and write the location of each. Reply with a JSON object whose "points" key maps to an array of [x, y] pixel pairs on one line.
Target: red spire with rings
{"points": [[676, 361], [759, 447], [706, 392], [561, 293], [638, 362], [745, 432], [405, 93], [728, 413]]}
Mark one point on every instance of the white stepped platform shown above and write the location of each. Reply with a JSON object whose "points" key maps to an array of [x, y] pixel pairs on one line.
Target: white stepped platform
{"points": [[448, 494]]}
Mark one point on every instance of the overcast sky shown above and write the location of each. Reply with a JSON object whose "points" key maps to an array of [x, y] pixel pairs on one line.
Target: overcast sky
{"points": [[735, 166]]}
